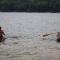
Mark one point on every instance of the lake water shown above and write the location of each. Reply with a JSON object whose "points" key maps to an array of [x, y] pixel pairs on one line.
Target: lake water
{"points": [[26, 43], [29, 23]]}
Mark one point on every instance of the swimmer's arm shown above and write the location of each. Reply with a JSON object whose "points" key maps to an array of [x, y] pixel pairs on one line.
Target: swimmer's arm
{"points": [[3, 32]]}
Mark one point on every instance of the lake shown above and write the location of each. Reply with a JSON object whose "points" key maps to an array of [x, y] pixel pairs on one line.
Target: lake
{"points": [[25, 31], [33, 23]]}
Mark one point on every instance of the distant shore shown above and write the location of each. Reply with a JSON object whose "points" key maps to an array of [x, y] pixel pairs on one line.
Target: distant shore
{"points": [[27, 12]]}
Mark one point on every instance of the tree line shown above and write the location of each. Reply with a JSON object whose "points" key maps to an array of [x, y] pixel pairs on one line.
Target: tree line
{"points": [[29, 5]]}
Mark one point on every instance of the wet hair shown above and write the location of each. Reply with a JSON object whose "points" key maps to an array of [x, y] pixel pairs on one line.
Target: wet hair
{"points": [[58, 40], [0, 27]]}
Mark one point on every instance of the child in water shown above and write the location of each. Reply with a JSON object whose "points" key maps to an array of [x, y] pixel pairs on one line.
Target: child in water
{"points": [[1, 34]]}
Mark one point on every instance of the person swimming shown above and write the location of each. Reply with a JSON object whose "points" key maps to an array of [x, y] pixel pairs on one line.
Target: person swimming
{"points": [[57, 35], [1, 34]]}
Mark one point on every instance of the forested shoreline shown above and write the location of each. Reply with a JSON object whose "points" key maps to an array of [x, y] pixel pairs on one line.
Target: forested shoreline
{"points": [[29, 5]]}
